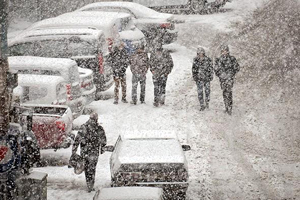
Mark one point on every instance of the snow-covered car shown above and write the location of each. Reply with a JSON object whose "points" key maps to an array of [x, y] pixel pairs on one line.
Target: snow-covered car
{"points": [[130, 193], [154, 160], [49, 68], [194, 6], [48, 81], [152, 23], [87, 84], [86, 46], [51, 125], [128, 32]]}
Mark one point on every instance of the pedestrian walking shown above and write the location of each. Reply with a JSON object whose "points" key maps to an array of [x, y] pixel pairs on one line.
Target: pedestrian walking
{"points": [[91, 138], [139, 67], [119, 61], [161, 65], [202, 70], [226, 67]]}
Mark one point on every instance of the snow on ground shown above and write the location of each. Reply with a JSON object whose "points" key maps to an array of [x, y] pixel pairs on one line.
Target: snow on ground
{"points": [[240, 157]]}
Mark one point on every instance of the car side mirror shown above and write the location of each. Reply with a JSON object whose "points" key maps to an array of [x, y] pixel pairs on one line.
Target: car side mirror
{"points": [[186, 147], [109, 148]]}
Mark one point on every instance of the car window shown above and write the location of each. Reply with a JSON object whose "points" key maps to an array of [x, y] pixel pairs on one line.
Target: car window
{"points": [[33, 93], [115, 152], [40, 72], [63, 48], [125, 24], [61, 92]]}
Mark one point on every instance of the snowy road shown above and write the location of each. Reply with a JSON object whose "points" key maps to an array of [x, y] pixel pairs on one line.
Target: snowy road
{"points": [[246, 156]]}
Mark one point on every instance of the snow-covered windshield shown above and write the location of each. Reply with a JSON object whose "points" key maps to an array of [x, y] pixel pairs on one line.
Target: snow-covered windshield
{"points": [[53, 48]]}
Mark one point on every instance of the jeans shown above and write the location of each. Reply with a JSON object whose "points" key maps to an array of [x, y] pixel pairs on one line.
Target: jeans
{"points": [[120, 81], [90, 172], [136, 79], [160, 84], [226, 86], [206, 86]]}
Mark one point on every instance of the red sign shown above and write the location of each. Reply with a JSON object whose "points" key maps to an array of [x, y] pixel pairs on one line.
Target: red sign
{"points": [[3, 151]]}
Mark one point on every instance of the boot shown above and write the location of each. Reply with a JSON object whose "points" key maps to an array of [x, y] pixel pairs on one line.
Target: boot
{"points": [[124, 101], [202, 108], [116, 102], [156, 104], [133, 102]]}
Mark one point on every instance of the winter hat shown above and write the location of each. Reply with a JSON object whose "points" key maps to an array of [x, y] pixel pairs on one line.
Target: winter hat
{"points": [[94, 115], [200, 50], [224, 48]]}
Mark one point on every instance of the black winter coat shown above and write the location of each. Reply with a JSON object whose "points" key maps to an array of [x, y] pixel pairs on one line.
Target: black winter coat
{"points": [[226, 67], [202, 69], [161, 63], [91, 138], [139, 64], [119, 61]]}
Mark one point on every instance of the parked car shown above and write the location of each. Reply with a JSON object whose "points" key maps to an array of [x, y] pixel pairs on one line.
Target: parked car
{"points": [[110, 23], [130, 193], [128, 32], [193, 6], [156, 26], [87, 84], [156, 161], [87, 47], [51, 125], [43, 89]]}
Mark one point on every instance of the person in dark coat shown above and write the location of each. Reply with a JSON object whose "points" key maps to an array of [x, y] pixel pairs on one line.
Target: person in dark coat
{"points": [[91, 138], [161, 65], [203, 74], [139, 67], [118, 59], [226, 67]]}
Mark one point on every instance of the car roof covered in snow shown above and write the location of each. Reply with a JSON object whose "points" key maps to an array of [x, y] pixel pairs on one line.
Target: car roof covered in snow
{"points": [[32, 62], [138, 10], [129, 193], [34, 80], [92, 20], [44, 34], [149, 134], [150, 151]]}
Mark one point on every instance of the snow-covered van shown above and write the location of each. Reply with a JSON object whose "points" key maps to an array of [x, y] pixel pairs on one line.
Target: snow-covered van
{"points": [[41, 72], [51, 125], [155, 161], [86, 46], [130, 193]]}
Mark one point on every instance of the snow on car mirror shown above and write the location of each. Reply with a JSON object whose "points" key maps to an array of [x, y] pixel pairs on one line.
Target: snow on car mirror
{"points": [[109, 148], [186, 147]]}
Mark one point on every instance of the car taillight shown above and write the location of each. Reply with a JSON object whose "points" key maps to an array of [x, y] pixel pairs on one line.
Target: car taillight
{"points": [[166, 25], [68, 86], [61, 125], [100, 60], [110, 43], [84, 85]]}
